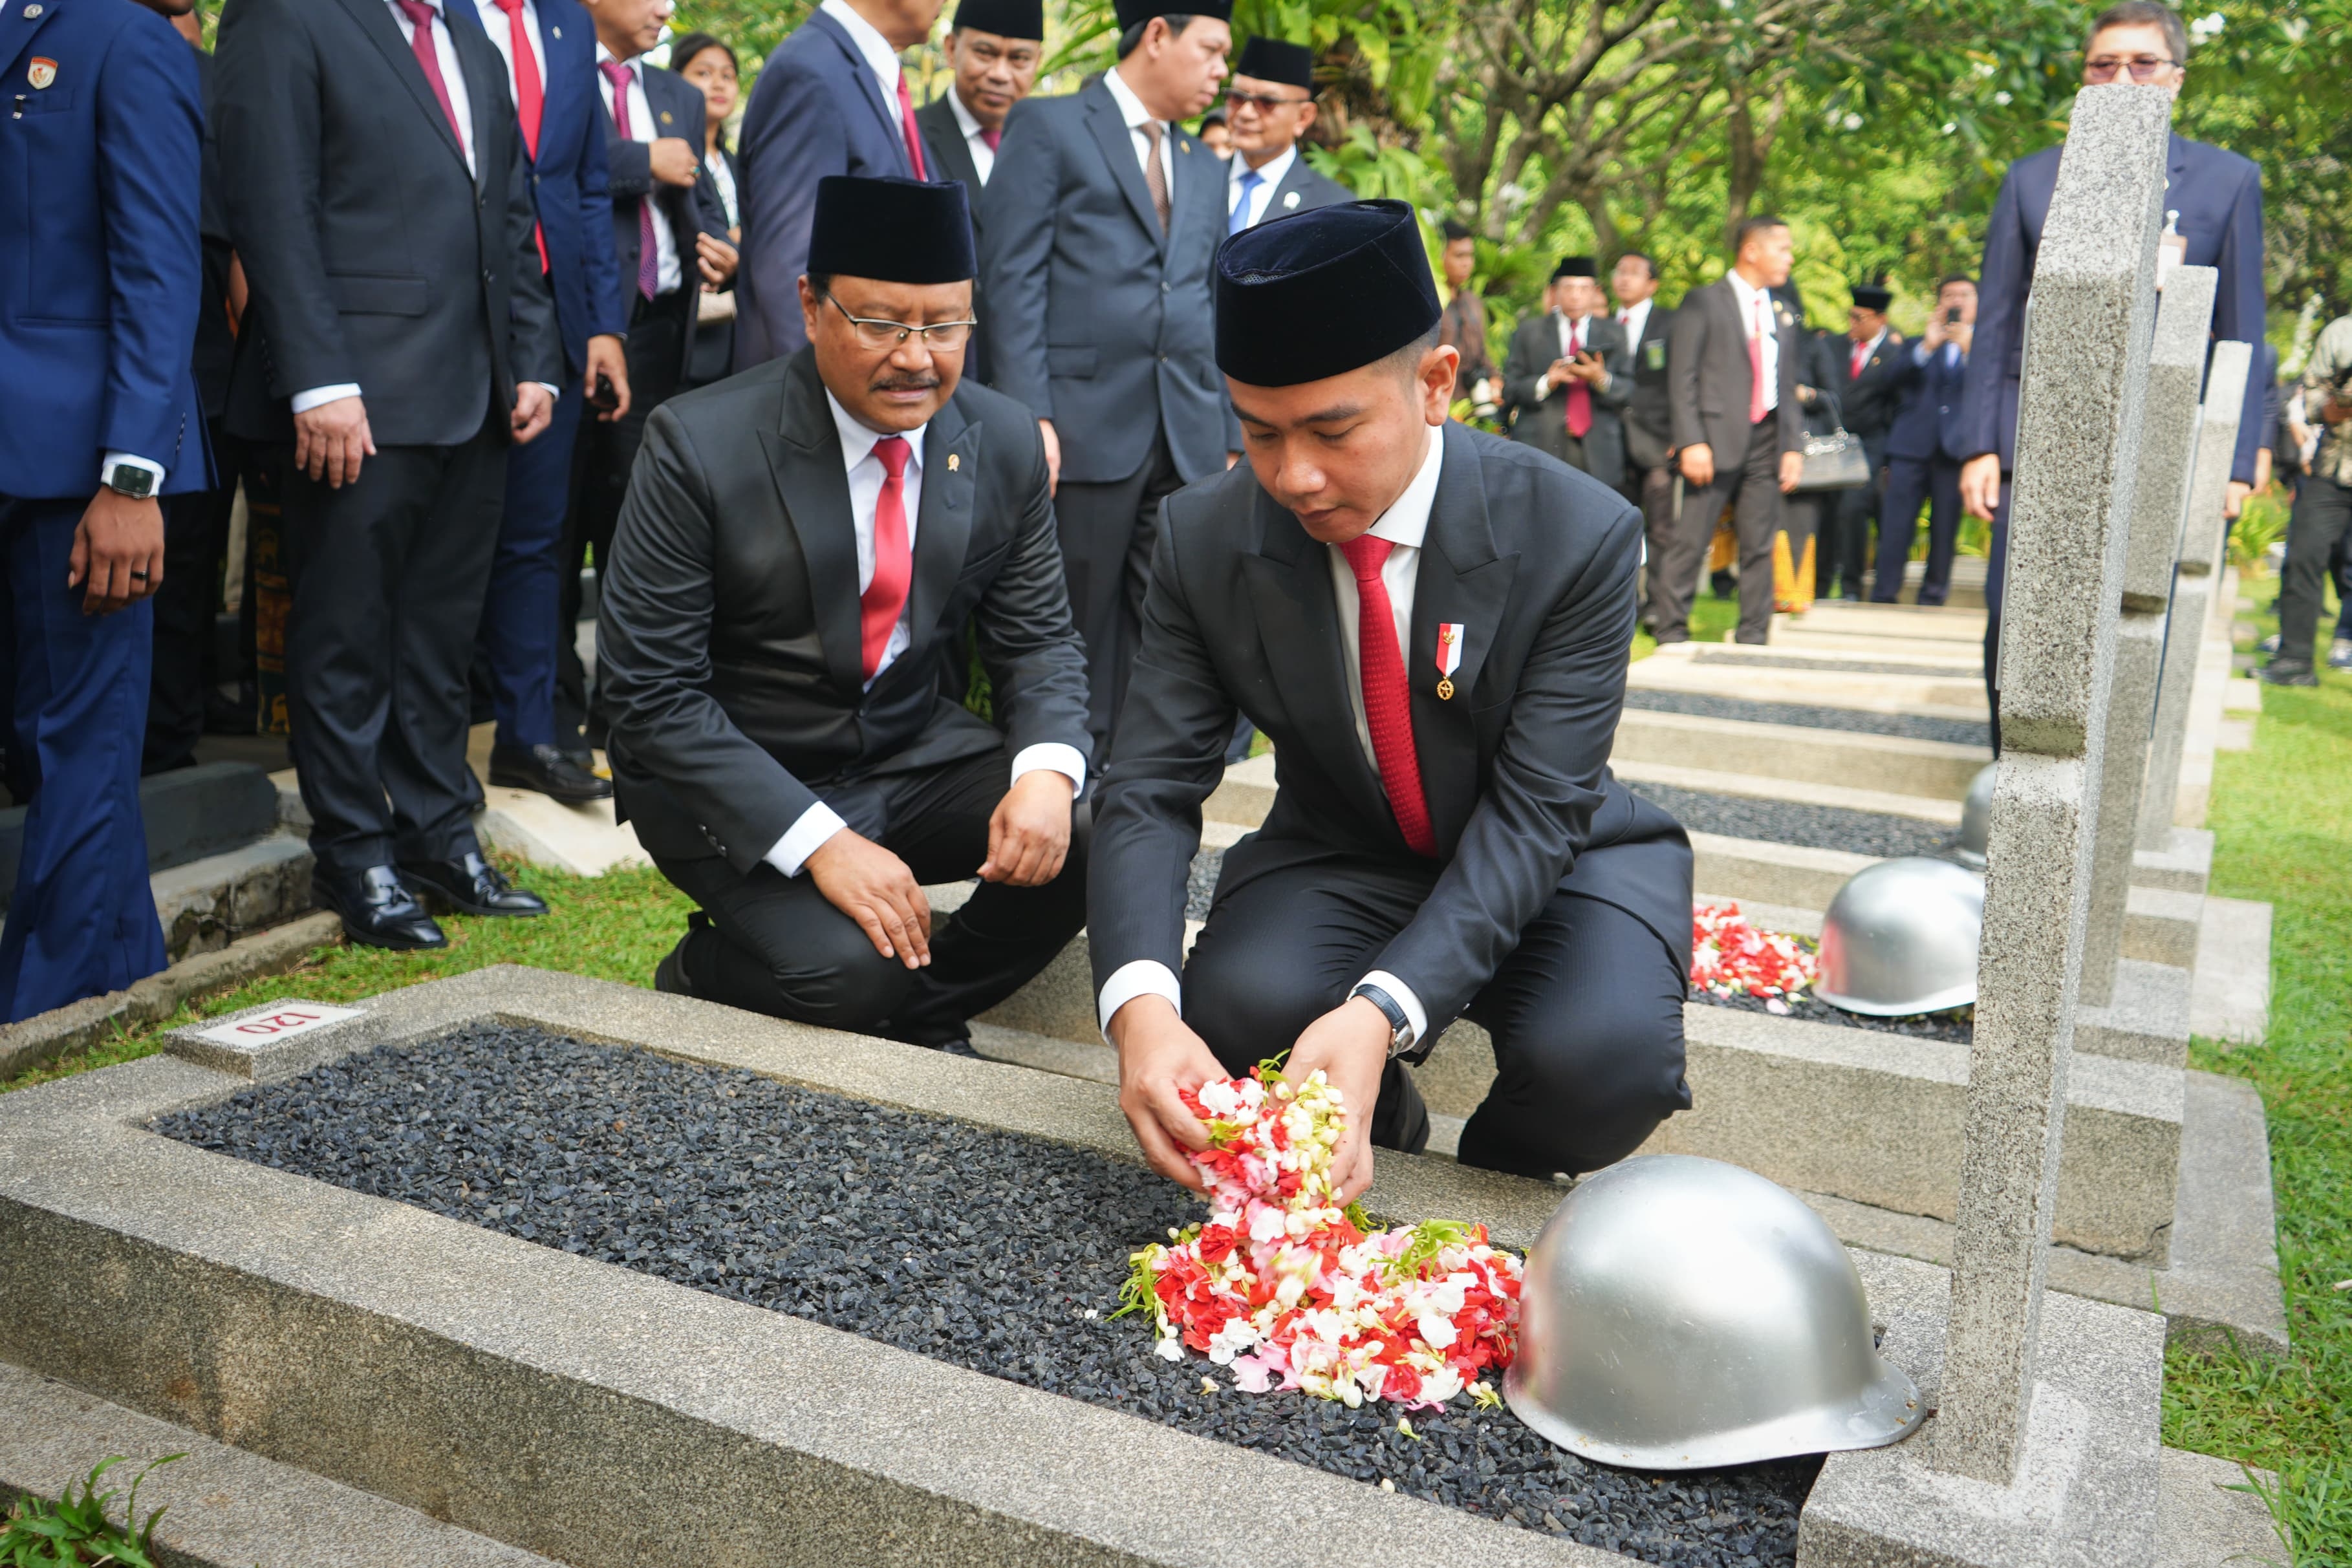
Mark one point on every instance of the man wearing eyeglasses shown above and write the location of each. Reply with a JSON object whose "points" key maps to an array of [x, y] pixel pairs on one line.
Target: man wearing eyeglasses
{"points": [[2216, 198], [799, 545], [1269, 104]]}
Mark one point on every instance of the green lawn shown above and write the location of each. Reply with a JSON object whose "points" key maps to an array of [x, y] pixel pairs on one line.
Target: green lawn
{"points": [[2282, 813]]}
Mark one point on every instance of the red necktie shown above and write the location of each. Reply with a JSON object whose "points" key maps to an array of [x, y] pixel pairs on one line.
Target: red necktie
{"points": [[530, 98], [648, 250], [908, 129], [1388, 703], [1579, 395], [1755, 403], [1855, 369], [893, 561], [993, 135], [420, 38]]}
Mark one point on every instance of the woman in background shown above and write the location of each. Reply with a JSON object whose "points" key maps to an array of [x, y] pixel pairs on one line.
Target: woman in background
{"points": [[709, 65]]}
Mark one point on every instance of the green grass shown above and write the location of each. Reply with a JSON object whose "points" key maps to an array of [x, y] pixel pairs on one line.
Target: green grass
{"points": [[2282, 818]]}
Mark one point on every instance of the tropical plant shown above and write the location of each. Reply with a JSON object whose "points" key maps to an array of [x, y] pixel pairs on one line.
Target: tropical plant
{"points": [[77, 1530]]}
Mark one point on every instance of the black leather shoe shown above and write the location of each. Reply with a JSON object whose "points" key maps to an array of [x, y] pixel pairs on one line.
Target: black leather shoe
{"points": [[378, 910], [2289, 673], [471, 885], [547, 771], [957, 1047]]}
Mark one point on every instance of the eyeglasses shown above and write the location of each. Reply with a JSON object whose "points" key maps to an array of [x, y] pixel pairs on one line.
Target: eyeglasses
{"points": [[1265, 103], [939, 336], [2143, 67]]}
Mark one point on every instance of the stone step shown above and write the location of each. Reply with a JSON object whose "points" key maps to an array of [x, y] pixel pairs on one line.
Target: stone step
{"points": [[1767, 787], [1679, 667], [207, 904], [1844, 759], [1940, 623], [1829, 654], [1804, 635]]}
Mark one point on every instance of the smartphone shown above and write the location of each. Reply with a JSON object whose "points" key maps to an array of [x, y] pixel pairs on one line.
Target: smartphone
{"points": [[604, 399], [1952, 317]]}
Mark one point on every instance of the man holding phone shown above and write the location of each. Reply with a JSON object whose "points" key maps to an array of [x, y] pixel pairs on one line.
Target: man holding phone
{"points": [[1570, 373], [1924, 446]]}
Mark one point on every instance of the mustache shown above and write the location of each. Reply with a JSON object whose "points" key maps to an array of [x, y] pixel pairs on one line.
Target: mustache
{"points": [[924, 381]]}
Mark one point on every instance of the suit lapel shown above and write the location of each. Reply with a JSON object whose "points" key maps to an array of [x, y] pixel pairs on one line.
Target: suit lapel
{"points": [[17, 33], [943, 518], [374, 18], [1118, 149], [1298, 622], [805, 455], [1460, 580], [486, 92], [867, 87]]}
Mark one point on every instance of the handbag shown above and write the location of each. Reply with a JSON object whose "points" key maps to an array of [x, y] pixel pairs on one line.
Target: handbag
{"points": [[1833, 462]]}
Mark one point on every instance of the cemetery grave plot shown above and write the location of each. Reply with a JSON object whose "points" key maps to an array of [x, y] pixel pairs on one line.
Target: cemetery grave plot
{"points": [[980, 1248], [1810, 716]]}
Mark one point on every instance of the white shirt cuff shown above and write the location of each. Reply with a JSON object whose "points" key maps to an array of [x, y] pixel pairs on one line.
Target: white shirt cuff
{"points": [[1543, 386], [304, 401], [1143, 977], [804, 838], [553, 389], [1054, 756], [108, 463], [1402, 994]]}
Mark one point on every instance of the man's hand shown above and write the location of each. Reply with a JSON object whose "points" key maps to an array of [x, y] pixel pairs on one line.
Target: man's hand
{"points": [[674, 161], [609, 356], [1053, 455], [1561, 372], [1792, 469], [330, 439], [1029, 832], [118, 552], [1938, 333], [2262, 470], [1698, 468], [1158, 1058], [533, 409], [1981, 484], [1350, 1044], [716, 259], [874, 887], [1963, 335], [2233, 498]]}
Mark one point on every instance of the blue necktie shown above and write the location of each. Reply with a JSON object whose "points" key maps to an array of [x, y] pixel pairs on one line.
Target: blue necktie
{"points": [[1240, 220]]}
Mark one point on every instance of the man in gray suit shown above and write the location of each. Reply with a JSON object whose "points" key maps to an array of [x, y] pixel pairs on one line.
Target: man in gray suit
{"points": [[1269, 104], [1097, 228], [1570, 373], [1731, 375]]}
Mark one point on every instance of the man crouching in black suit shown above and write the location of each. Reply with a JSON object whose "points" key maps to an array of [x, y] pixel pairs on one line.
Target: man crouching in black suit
{"points": [[798, 544], [1433, 625]]}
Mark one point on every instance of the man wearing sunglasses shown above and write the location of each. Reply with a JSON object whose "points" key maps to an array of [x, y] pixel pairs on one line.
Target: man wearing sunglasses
{"points": [[2217, 199], [799, 544], [1269, 104]]}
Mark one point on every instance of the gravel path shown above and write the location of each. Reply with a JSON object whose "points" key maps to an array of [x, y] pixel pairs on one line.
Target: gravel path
{"points": [[981, 1249], [1794, 822], [1909, 727], [1959, 1027]]}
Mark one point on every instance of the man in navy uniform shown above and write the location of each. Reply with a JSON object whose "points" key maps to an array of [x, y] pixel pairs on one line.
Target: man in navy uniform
{"points": [[102, 416], [1432, 624]]}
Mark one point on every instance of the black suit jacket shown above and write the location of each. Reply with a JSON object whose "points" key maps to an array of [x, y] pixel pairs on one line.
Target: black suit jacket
{"points": [[1536, 562], [1869, 400], [1710, 378], [1300, 190], [728, 647], [215, 354], [372, 255], [950, 158], [1649, 422], [678, 111], [1544, 425]]}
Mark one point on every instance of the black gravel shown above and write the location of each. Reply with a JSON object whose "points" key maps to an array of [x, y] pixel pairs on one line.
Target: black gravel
{"points": [[983, 1249], [1909, 727], [1794, 822], [1958, 1026]]}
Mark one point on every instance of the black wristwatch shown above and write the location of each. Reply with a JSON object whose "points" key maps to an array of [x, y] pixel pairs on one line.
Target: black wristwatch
{"points": [[130, 479], [1399, 1026]]}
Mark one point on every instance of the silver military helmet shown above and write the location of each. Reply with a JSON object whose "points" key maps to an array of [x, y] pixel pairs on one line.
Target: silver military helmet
{"points": [[1901, 937], [1976, 818], [1680, 1314]]}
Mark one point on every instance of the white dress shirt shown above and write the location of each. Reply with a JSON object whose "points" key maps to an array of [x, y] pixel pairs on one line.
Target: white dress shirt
{"points": [[880, 58], [723, 177], [867, 477], [1636, 319], [1270, 175], [494, 23], [668, 274], [1750, 296], [1405, 525], [983, 156], [1132, 109], [453, 77]]}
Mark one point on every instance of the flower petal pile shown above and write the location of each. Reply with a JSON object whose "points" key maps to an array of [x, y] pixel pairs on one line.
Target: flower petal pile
{"points": [[1731, 957], [1291, 1290]]}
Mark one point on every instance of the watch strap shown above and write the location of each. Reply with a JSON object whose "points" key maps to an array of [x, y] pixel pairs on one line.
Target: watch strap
{"points": [[1399, 1023]]}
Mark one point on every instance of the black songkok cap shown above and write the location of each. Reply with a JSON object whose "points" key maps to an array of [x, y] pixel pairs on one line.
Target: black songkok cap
{"points": [[892, 230], [1321, 293], [1132, 13], [1272, 59], [1005, 18], [1575, 266], [1869, 297]]}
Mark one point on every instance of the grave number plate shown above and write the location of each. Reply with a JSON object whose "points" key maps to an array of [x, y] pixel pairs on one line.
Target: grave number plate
{"points": [[297, 1017]]}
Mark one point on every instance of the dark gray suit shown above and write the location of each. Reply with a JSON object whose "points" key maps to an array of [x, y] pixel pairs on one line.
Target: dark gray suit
{"points": [[950, 158], [1649, 480], [1103, 324], [1709, 379], [1544, 425], [1556, 909], [729, 656]]}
